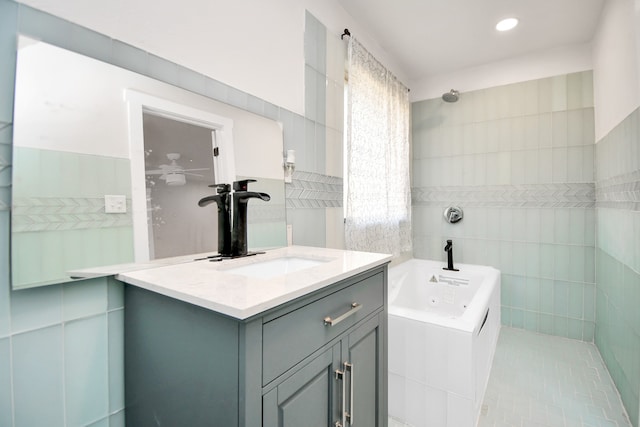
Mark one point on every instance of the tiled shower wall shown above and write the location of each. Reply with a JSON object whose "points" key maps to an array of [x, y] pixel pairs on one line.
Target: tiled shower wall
{"points": [[618, 258], [61, 346], [519, 160]]}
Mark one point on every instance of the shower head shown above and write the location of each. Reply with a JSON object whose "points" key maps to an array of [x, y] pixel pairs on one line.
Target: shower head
{"points": [[451, 96]]}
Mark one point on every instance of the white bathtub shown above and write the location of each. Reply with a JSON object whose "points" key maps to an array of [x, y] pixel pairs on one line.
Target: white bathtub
{"points": [[443, 329]]}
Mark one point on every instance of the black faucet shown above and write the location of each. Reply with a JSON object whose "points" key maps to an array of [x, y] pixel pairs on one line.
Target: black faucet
{"points": [[223, 199], [240, 200], [449, 250]]}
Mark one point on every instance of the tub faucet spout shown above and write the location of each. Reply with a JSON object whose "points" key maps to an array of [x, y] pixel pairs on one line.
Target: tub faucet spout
{"points": [[449, 250]]}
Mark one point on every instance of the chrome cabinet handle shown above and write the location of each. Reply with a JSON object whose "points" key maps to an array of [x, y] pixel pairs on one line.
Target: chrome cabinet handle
{"points": [[340, 376], [328, 321], [349, 367]]}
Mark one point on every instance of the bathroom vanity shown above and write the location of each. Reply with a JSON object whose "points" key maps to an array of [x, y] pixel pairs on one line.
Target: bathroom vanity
{"points": [[293, 337]]}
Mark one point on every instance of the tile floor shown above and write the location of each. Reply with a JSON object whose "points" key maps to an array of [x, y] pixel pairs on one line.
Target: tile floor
{"points": [[546, 381]]}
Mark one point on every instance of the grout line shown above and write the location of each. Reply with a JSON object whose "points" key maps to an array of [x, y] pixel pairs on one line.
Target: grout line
{"points": [[11, 379]]}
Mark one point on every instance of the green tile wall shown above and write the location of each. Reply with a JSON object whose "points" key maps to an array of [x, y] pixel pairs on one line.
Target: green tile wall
{"points": [[519, 160], [618, 255], [67, 213], [322, 128], [61, 346], [267, 222]]}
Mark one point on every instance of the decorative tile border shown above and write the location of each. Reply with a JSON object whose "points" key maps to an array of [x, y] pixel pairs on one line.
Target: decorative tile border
{"points": [[619, 192], [542, 195], [52, 213], [48, 214], [313, 190]]}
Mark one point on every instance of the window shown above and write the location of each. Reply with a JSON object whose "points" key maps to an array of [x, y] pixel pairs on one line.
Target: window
{"points": [[377, 183]]}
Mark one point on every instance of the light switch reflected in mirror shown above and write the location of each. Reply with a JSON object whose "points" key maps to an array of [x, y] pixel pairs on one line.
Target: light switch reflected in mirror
{"points": [[80, 130]]}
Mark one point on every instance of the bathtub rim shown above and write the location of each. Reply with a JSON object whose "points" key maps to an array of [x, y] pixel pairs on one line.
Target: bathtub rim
{"points": [[472, 319]]}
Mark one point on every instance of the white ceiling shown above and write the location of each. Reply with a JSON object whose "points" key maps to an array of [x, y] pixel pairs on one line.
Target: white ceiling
{"points": [[432, 37]]}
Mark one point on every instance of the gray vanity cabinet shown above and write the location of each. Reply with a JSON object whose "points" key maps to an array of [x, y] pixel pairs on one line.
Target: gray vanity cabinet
{"points": [[366, 353], [343, 384], [302, 364], [308, 397]]}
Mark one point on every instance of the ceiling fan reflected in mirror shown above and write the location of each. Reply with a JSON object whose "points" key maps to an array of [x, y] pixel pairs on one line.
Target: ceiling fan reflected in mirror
{"points": [[173, 173]]}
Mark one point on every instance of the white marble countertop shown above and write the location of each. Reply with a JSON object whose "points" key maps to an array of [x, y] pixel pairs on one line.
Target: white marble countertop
{"points": [[112, 270], [211, 285]]}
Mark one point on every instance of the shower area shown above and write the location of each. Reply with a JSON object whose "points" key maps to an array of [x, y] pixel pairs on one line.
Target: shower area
{"points": [[519, 159], [544, 203]]}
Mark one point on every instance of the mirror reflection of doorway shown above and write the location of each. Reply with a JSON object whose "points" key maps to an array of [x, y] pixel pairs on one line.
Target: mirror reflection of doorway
{"points": [[179, 166]]}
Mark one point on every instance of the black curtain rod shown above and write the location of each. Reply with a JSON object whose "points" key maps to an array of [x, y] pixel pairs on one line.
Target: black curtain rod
{"points": [[348, 33]]}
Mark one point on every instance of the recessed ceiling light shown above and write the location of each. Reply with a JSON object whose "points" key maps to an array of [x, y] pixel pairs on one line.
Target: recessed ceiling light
{"points": [[506, 24]]}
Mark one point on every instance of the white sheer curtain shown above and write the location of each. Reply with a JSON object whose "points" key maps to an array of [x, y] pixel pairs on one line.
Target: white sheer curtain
{"points": [[378, 194]]}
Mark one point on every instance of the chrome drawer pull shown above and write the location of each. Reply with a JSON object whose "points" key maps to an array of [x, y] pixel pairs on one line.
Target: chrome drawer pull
{"points": [[340, 376], [349, 367], [328, 321]]}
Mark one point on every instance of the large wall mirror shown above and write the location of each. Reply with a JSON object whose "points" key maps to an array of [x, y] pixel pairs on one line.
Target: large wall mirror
{"points": [[108, 167]]}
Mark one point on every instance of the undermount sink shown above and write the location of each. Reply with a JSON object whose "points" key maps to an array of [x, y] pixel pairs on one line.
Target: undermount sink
{"points": [[275, 267]]}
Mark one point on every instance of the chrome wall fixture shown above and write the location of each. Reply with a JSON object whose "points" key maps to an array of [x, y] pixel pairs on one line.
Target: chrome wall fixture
{"points": [[451, 96], [453, 214], [289, 165]]}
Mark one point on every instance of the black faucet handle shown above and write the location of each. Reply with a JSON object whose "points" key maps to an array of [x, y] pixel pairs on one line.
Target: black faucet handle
{"points": [[242, 185], [221, 188]]}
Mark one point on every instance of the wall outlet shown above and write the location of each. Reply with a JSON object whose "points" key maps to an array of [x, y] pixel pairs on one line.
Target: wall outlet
{"points": [[289, 234], [115, 204]]}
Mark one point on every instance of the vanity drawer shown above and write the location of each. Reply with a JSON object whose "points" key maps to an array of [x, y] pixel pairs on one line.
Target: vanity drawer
{"points": [[290, 338]]}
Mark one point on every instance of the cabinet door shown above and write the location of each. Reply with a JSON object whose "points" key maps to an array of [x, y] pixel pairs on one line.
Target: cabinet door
{"points": [[308, 398], [366, 402]]}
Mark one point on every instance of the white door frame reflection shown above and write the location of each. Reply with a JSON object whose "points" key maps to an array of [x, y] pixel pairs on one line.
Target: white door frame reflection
{"points": [[138, 104]]}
